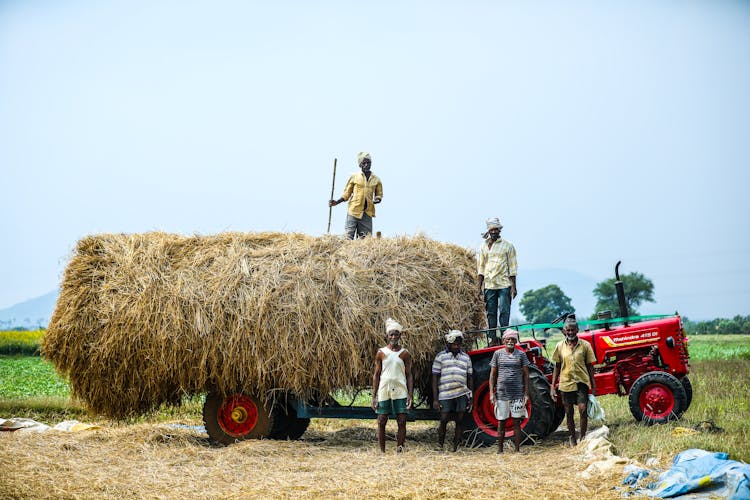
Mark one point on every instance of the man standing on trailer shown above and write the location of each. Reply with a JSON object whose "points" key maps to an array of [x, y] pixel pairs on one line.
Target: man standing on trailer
{"points": [[452, 385], [574, 364], [497, 269], [392, 385], [509, 387], [363, 190]]}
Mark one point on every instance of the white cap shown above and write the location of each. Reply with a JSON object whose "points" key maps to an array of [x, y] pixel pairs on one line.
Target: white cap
{"points": [[391, 324], [452, 335]]}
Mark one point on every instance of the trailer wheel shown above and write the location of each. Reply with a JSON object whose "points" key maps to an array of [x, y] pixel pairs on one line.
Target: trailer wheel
{"points": [[286, 424], [235, 417], [657, 397], [688, 390], [481, 424]]}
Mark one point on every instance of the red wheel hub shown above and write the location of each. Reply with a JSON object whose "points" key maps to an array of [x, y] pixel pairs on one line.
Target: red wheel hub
{"points": [[656, 401], [484, 413], [238, 415]]}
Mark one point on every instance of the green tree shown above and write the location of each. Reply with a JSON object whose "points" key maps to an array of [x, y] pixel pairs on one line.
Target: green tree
{"points": [[638, 289], [545, 304]]}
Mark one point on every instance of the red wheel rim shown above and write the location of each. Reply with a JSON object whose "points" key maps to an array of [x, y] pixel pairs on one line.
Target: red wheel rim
{"points": [[656, 401], [484, 413], [238, 415]]}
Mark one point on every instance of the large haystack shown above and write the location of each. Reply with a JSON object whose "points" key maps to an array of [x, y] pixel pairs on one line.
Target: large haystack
{"points": [[144, 319]]}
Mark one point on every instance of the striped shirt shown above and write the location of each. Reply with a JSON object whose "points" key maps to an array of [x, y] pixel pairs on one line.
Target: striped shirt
{"points": [[497, 264], [453, 371], [509, 383]]}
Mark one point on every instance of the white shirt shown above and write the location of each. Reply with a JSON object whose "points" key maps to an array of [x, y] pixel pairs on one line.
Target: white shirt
{"points": [[392, 376]]}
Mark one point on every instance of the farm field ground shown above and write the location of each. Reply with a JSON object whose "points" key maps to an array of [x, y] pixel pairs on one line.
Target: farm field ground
{"points": [[164, 455]]}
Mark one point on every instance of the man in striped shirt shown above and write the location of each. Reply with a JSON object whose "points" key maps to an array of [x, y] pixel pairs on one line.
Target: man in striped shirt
{"points": [[452, 386], [497, 268]]}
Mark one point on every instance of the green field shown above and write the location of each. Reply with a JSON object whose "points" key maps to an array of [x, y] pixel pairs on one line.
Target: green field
{"points": [[29, 376], [720, 369]]}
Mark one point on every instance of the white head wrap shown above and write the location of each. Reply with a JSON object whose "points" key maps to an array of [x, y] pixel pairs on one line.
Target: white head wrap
{"points": [[452, 335], [510, 333], [492, 223], [391, 324], [362, 155]]}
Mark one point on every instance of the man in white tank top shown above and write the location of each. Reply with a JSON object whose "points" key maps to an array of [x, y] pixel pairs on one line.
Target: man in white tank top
{"points": [[392, 384]]}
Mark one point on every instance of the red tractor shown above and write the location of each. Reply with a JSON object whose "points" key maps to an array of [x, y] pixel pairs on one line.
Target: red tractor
{"points": [[643, 357]]}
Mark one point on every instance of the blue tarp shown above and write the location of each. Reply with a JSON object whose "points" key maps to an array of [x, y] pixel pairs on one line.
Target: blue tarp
{"points": [[702, 474]]}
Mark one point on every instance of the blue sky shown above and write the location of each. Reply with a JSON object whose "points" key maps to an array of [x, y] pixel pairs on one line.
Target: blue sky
{"points": [[596, 130]]}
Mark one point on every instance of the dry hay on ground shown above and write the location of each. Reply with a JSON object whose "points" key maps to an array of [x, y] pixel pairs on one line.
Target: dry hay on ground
{"points": [[335, 460], [145, 319]]}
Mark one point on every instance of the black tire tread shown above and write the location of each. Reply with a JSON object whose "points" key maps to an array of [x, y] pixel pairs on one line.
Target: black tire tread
{"points": [[685, 381], [286, 424]]}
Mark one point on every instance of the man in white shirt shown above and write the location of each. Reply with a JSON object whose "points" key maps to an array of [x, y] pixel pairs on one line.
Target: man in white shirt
{"points": [[392, 385]]}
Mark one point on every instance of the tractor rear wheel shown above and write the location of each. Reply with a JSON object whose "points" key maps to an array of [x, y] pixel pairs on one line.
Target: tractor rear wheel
{"points": [[543, 415], [657, 397], [235, 417], [559, 417]]}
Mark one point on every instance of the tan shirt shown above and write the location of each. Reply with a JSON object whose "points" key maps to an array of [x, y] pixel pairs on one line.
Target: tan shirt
{"points": [[361, 193], [573, 364], [497, 264]]}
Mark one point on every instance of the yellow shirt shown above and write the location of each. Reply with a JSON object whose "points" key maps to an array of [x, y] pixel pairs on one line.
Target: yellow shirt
{"points": [[497, 264], [573, 364], [361, 193]]}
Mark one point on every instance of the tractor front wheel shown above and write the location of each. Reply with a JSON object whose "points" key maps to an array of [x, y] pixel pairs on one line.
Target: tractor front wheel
{"points": [[235, 417], [688, 390], [657, 397]]}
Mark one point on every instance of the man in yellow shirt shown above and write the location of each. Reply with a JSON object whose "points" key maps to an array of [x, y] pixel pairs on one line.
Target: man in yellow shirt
{"points": [[363, 190], [574, 364]]}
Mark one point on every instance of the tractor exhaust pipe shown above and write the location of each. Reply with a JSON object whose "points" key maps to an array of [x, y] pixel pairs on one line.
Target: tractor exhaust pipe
{"points": [[620, 289]]}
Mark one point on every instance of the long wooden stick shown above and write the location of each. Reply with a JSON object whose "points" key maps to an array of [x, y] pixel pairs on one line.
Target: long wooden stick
{"points": [[333, 185]]}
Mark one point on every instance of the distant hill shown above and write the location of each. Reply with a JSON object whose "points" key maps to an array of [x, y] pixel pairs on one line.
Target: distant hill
{"points": [[32, 313]]}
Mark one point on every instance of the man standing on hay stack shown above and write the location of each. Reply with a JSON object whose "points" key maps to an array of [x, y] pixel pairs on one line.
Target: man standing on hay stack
{"points": [[363, 190], [392, 385], [452, 385], [497, 269]]}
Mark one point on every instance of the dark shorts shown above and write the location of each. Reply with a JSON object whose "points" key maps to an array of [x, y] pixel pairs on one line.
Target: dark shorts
{"points": [[455, 405], [358, 227], [581, 396], [392, 407]]}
